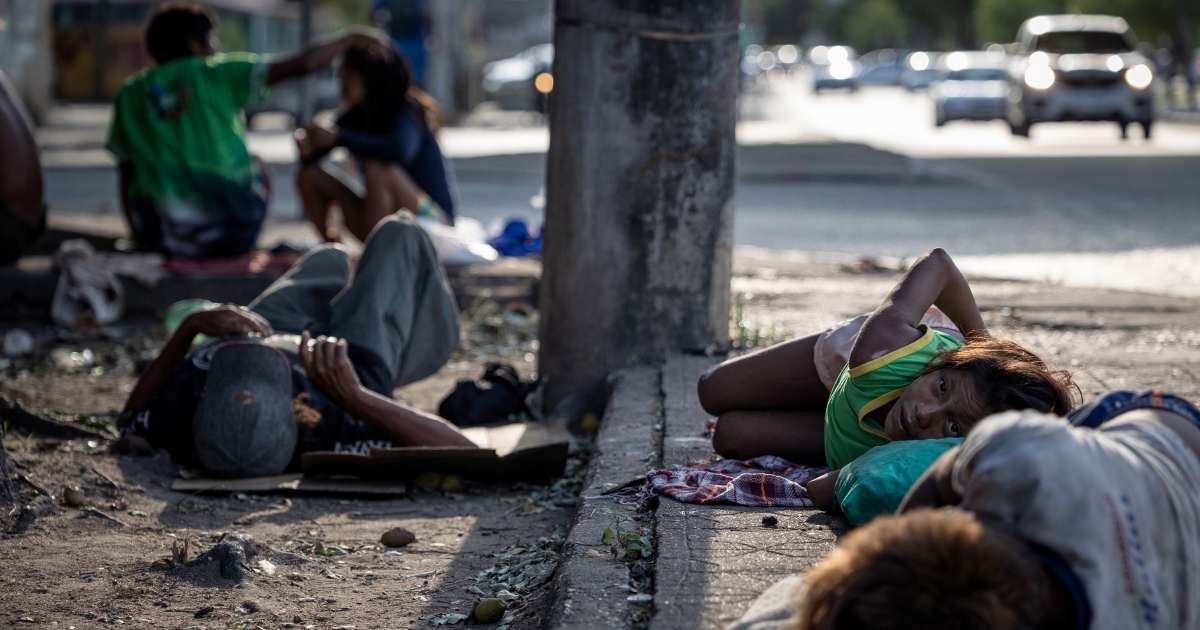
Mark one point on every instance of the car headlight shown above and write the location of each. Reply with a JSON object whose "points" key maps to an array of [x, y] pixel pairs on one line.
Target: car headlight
{"points": [[1039, 77], [1139, 77]]}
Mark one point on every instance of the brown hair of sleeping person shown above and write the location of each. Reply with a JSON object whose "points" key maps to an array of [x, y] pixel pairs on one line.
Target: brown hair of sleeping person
{"points": [[927, 570], [1009, 376]]}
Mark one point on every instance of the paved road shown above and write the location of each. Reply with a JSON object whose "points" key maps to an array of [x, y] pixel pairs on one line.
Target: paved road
{"points": [[969, 187]]}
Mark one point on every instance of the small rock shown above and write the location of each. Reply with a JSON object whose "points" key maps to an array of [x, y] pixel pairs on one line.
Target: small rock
{"points": [[17, 342], [397, 537], [251, 606], [204, 612], [592, 553], [590, 422], [451, 483], [489, 610], [770, 521], [429, 480], [75, 497]]}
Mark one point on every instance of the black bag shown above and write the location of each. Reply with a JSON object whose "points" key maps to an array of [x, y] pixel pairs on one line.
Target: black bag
{"points": [[491, 399]]}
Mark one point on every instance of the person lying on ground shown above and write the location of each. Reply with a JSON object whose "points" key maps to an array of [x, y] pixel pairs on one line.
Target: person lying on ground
{"points": [[189, 186], [265, 390], [904, 378], [388, 125], [1046, 525], [22, 211]]}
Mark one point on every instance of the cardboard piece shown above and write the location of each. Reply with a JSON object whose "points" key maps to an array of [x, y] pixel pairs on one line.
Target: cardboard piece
{"points": [[505, 453]]}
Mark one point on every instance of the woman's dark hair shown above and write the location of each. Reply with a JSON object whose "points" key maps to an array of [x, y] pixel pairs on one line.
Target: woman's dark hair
{"points": [[173, 25], [389, 91], [1009, 376]]}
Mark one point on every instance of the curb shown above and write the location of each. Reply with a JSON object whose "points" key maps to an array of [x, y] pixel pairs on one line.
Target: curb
{"points": [[591, 591]]}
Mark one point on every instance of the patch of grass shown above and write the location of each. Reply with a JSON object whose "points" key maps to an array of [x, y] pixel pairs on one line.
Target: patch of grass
{"points": [[746, 332]]}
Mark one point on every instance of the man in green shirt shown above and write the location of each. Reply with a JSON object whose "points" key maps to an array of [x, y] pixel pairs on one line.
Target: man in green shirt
{"points": [[189, 187]]}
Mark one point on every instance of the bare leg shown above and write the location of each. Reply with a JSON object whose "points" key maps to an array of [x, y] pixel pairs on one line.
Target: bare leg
{"points": [[388, 189], [319, 186], [782, 377], [797, 436]]}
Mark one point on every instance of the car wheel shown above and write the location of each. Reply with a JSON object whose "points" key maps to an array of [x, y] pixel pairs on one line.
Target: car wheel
{"points": [[939, 120], [1020, 130], [1146, 126]]}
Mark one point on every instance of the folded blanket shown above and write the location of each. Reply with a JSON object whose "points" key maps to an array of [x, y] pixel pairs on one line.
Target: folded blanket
{"points": [[766, 481]]}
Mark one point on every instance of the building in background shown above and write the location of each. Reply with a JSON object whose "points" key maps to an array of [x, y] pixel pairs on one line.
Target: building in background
{"points": [[98, 43]]}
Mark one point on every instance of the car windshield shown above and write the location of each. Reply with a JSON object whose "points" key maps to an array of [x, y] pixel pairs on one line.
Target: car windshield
{"points": [[976, 74], [1078, 42]]}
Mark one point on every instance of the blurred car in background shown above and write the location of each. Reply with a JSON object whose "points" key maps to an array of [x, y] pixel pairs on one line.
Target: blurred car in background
{"points": [[882, 67], [834, 67], [1078, 67], [918, 70], [969, 85], [520, 81]]}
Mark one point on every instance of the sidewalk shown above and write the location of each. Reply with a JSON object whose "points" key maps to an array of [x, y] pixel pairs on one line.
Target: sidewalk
{"points": [[712, 561]]}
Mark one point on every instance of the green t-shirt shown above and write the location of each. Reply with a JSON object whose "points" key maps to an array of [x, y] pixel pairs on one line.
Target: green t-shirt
{"points": [[857, 392], [179, 126]]}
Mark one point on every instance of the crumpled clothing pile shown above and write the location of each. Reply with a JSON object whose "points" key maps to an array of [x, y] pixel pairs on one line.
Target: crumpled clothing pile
{"points": [[88, 289], [766, 481]]}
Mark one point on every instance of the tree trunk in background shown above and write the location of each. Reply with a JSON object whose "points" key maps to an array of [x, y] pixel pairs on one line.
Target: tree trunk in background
{"points": [[640, 180]]}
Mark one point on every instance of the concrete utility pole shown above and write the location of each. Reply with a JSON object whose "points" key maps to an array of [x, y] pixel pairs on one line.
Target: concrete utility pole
{"points": [[640, 180]]}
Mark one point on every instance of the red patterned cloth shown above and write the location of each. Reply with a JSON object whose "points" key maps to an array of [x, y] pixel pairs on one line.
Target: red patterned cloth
{"points": [[766, 481]]}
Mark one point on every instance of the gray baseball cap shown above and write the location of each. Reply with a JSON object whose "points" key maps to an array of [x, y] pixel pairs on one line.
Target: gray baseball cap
{"points": [[244, 426]]}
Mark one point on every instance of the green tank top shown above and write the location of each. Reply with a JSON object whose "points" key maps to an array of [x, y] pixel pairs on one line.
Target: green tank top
{"points": [[858, 391]]}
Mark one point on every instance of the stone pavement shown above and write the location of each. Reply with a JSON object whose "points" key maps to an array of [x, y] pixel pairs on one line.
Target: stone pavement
{"points": [[712, 561]]}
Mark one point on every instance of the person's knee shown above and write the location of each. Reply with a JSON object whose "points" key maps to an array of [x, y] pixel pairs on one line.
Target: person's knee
{"points": [[333, 256], [305, 175], [729, 437], [710, 392]]}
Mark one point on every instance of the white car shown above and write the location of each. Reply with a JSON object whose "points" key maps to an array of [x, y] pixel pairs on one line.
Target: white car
{"points": [[1078, 67], [969, 86]]}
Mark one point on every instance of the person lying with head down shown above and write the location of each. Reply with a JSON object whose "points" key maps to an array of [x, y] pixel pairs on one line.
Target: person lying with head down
{"points": [[1031, 523], [921, 367], [310, 365]]}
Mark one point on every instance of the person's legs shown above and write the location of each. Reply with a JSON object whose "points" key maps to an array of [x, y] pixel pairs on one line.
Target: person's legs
{"points": [[320, 185], [388, 189], [300, 299], [783, 376], [399, 305], [797, 436]]}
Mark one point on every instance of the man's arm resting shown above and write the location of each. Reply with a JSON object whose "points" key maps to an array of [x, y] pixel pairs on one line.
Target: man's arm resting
{"points": [[217, 322], [326, 362]]}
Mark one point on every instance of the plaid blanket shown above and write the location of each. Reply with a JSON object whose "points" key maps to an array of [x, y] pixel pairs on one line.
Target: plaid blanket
{"points": [[766, 481]]}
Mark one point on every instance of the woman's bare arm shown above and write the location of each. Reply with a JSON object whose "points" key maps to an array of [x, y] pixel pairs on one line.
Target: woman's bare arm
{"points": [[933, 280], [821, 490]]}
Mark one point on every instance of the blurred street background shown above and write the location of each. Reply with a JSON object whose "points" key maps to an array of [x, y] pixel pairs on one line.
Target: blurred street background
{"points": [[863, 170]]}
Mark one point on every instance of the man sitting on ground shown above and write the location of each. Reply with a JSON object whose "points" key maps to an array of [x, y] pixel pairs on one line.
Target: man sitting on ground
{"points": [[189, 186], [248, 403], [22, 212]]}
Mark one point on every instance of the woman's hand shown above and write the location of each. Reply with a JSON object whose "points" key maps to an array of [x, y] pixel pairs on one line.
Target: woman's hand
{"points": [[317, 136], [227, 320], [326, 361]]}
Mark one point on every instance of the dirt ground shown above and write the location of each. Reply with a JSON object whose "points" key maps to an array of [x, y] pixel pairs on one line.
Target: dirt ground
{"points": [[101, 554]]}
